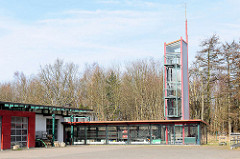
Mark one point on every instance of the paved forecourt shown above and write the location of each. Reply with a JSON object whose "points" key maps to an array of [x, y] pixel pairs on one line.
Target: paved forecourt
{"points": [[124, 152]]}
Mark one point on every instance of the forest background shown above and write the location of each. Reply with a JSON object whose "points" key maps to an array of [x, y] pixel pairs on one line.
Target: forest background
{"points": [[135, 91]]}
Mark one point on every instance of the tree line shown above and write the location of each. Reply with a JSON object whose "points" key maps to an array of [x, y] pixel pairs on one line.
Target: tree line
{"points": [[215, 85], [135, 91]]}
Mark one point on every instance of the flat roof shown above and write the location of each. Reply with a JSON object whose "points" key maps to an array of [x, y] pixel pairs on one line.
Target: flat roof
{"points": [[175, 42], [136, 122], [41, 107]]}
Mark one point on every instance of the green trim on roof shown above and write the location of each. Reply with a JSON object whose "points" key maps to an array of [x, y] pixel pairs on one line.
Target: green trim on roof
{"points": [[44, 107]]}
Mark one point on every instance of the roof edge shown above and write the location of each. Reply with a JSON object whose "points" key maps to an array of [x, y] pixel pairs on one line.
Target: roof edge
{"points": [[138, 121], [3, 102]]}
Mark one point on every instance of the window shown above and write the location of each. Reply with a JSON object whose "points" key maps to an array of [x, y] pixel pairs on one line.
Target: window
{"points": [[19, 131], [49, 128]]}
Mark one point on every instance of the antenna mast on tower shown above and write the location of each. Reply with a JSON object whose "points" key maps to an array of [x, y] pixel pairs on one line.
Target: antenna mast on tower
{"points": [[186, 22]]}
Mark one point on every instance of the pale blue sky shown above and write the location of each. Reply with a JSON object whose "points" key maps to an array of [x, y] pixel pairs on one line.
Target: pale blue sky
{"points": [[37, 32]]}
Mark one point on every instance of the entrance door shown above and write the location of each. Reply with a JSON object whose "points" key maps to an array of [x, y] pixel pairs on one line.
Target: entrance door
{"points": [[49, 128]]}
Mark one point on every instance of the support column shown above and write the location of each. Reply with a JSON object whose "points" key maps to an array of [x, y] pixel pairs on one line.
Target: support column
{"points": [[174, 133], [53, 129], [6, 132], [206, 134], [151, 134], [97, 131], [106, 134], [72, 130], [183, 133], [199, 135], [85, 135], [166, 134], [128, 132], [159, 131]]}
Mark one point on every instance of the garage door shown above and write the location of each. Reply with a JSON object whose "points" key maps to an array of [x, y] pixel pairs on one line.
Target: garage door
{"points": [[19, 131]]}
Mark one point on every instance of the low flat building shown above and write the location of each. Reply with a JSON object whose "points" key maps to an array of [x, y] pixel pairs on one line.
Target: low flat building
{"points": [[154, 132], [21, 124]]}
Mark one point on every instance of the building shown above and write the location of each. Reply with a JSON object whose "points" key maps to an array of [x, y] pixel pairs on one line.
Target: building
{"points": [[149, 132], [175, 129], [23, 123]]}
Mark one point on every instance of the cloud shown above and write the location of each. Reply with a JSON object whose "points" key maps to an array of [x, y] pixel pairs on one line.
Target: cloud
{"points": [[104, 35], [81, 36], [132, 3]]}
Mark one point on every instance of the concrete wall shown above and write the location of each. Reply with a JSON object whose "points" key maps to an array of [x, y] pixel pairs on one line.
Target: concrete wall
{"points": [[41, 124]]}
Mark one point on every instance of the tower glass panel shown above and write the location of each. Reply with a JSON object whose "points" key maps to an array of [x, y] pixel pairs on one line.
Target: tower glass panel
{"points": [[172, 67]]}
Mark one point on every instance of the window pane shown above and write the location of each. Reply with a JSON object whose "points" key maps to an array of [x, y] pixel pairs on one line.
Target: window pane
{"points": [[18, 125], [18, 132], [12, 125], [24, 120], [13, 132], [24, 126], [24, 138], [12, 138], [24, 132]]}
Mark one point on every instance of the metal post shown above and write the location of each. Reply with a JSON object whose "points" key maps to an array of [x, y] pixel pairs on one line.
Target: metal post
{"points": [[216, 135], [174, 133], [176, 89], [97, 130], [107, 134], [206, 135], [53, 129], [85, 135], [164, 102], [166, 134], [183, 134], [199, 137], [128, 139], [159, 131], [72, 130], [118, 136], [151, 134]]}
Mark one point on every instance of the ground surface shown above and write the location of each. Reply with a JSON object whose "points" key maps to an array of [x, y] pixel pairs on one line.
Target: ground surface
{"points": [[125, 152]]}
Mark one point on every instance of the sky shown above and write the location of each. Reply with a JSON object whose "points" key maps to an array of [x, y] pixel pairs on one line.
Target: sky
{"points": [[34, 33]]}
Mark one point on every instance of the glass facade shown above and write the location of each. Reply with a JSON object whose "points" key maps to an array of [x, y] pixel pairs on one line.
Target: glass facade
{"points": [[144, 134], [173, 92], [191, 134], [139, 134], [158, 134], [19, 131]]}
